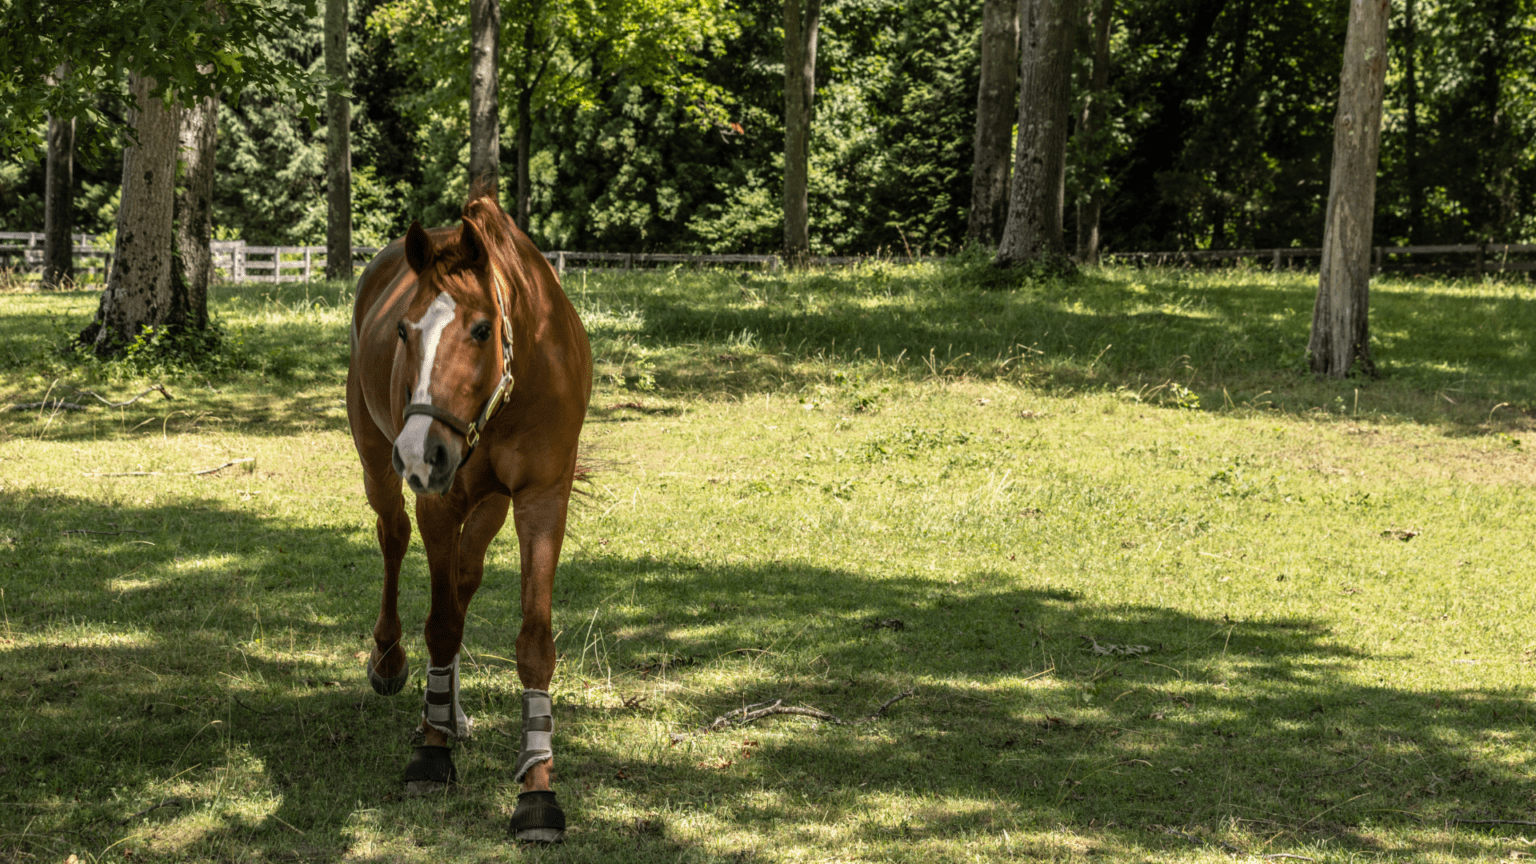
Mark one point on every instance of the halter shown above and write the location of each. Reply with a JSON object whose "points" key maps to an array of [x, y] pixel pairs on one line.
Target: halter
{"points": [[499, 396]]}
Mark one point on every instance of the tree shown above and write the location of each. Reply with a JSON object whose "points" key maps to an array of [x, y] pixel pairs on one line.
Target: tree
{"points": [[484, 118], [1090, 132], [1412, 179], [193, 207], [799, 94], [59, 199], [995, 112], [338, 147], [1340, 340], [1033, 232], [144, 289], [556, 53], [170, 42]]}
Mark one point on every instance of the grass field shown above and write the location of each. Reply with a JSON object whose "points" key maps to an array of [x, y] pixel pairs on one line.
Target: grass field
{"points": [[1158, 595]]}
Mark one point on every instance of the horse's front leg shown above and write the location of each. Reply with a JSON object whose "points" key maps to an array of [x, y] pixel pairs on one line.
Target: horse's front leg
{"points": [[540, 520], [442, 720]]}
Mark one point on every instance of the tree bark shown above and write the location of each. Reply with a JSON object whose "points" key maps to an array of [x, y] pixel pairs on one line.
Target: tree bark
{"points": [[194, 206], [1034, 229], [1092, 209], [1411, 130], [525, 129], [995, 110], [1340, 338], [484, 121], [799, 94], [141, 292], [338, 149], [59, 201]]}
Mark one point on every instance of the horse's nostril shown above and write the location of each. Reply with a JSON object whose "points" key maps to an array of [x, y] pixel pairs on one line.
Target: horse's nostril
{"points": [[398, 462], [437, 454]]}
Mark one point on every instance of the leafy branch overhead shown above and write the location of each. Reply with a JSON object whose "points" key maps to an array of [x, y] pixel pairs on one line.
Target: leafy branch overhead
{"points": [[559, 53], [192, 49]]}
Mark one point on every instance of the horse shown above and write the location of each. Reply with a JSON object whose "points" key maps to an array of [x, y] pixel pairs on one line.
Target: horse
{"points": [[469, 382]]}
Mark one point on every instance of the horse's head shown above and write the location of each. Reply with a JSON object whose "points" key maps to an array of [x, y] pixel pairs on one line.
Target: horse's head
{"points": [[452, 343]]}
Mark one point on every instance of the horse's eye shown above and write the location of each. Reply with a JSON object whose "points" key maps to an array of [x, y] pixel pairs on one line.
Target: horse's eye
{"points": [[480, 332], [401, 330]]}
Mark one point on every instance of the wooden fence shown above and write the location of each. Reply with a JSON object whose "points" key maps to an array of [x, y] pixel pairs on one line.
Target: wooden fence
{"points": [[238, 262], [1466, 258]]}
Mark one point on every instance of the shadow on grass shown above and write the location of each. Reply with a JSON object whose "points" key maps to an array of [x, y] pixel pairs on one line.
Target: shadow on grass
{"points": [[208, 661], [1449, 352], [1231, 338]]}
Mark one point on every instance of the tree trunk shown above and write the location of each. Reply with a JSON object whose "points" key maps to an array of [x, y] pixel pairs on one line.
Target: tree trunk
{"points": [[194, 206], [484, 122], [1089, 213], [1340, 330], [59, 199], [1160, 147], [524, 130], [995, 110], [1034, 229], [338, 149], [141, 292], [1411, 130], [799, 94]]}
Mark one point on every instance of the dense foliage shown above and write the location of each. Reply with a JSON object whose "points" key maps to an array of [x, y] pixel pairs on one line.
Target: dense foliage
{"points": [[1220, 126]]}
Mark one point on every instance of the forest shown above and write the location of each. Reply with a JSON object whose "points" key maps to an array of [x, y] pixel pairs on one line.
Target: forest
{"points": [[1218, 130]]}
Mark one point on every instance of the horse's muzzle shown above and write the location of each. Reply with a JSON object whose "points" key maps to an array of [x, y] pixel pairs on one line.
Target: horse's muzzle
{"points": [[423, 459]]}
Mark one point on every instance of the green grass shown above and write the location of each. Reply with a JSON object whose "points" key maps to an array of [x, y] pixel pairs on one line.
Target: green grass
{"points": [[828, 489]]}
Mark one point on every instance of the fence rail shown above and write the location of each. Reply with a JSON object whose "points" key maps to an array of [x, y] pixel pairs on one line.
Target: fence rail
{"points": [[236, 261], [239, 262], [1475, 258]]}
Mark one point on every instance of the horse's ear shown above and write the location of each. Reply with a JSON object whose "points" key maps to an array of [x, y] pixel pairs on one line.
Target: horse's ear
{"points": [[418, 248], [472, 241]]}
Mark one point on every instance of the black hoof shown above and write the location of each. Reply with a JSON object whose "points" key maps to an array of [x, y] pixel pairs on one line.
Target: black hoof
{"points": [[430, 770], [538, 819], [387, 686]]}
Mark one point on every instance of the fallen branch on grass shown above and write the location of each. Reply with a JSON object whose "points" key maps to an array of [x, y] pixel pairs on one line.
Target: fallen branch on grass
{"points": [[1492, 822], [169, 802], [222, 467], [61, 405], [103, 533], [156, 388], [747, 714], [888, 703]]}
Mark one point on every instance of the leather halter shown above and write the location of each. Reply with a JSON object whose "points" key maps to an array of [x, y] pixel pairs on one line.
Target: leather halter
{"points": [[499, 396]]}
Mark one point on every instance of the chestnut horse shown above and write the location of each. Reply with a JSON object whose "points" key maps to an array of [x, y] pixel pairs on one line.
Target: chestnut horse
{"points": [[469, 380]]}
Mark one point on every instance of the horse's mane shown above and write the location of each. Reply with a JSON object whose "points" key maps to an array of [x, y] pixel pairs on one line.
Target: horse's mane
{"points": [[495, 227]]}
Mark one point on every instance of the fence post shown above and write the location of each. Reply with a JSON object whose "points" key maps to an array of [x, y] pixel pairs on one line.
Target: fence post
{"points": [[308, 270], [237, 260], [1482, 247], [1376, 257], [560, 264], [1276, 267]]}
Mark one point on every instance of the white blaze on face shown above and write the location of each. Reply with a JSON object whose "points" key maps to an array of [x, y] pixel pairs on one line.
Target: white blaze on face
{"points": [[412, 443]]}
